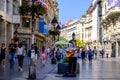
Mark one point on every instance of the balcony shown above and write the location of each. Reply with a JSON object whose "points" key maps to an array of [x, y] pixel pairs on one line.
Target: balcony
{"points": [[112, 12]]}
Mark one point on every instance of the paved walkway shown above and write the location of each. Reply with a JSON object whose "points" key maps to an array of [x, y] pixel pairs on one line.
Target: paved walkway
{"points": [[14, 74], [100, 69]]}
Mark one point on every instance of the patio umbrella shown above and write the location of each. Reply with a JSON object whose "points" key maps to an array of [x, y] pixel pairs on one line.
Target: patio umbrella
{"points": [[61, 42]]}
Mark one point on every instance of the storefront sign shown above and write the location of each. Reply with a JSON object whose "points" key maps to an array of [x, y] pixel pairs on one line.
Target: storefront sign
{"points": [[41, 25]]}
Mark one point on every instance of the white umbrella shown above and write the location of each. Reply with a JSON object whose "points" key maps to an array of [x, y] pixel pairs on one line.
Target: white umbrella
{"points": [[61, 42]]}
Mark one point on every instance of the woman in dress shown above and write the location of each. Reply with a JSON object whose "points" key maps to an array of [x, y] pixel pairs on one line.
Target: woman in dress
{"points": [[3, 55], [43, 55]]}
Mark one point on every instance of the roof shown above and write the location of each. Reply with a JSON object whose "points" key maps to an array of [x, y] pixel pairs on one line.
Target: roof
{"points": [[90, 9], [67, 23]]}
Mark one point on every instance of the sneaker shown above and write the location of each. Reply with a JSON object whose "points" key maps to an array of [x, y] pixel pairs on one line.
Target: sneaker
{"points": [[21, 69]]}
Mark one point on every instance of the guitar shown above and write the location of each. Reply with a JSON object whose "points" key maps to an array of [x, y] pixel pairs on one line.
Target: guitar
{"points": [[69, 53]]}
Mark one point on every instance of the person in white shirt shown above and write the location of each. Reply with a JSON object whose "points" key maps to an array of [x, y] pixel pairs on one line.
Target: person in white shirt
{"points": [[95, 52], [20, 54], [48, 51]]}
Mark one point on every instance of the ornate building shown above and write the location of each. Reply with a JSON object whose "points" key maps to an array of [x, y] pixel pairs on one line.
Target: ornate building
{"points": [[111, 27], [10, 21]]}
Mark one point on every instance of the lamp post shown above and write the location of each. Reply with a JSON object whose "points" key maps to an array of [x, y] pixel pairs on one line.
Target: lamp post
{"points": [[73, 41], [73, 35], [33, 8], [54, 22], [58, 28], [16, 38]]}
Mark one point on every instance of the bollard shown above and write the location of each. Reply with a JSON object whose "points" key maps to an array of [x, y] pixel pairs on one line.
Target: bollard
{"points": [[107, 55], [32, 66], [32, 71]]}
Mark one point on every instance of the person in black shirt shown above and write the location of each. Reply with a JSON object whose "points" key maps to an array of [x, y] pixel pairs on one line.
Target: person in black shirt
{"points": [[11, 53], [3, 54], [36, 48]]}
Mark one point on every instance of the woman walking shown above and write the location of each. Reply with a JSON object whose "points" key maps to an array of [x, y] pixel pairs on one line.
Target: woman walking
{"points": [[90, 54], [11, 53], [20, 53], [83, 54], [43, 55], [3, 55]]}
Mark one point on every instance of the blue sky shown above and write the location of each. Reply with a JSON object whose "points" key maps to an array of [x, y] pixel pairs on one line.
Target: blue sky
{"points": [[72, 9]]}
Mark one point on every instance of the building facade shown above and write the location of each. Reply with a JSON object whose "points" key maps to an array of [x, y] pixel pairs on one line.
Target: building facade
{"points": [[87, 28], [111, 27], [10, 21]]}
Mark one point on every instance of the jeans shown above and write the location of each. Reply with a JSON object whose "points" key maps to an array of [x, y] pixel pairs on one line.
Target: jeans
{"points": [[20, 60], [12, 60]]}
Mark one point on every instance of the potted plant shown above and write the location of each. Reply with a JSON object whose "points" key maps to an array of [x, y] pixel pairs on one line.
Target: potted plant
{"points": [[33, 8]]}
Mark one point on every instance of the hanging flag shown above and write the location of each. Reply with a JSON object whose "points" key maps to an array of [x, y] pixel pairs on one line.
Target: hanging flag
{"points": [[41, 25], [46, 29]]}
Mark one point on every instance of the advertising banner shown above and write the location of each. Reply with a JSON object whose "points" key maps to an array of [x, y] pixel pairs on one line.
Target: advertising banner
{"points": [[45, 29], [41, 25]]}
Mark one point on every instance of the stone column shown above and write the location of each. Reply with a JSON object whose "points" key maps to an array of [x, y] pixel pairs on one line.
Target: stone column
{"points": [[116, 49], [5, 34]]}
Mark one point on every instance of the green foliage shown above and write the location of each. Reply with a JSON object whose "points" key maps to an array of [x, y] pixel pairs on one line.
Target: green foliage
{"points": [[34, 10], [84, 15], [63, 39], [65, 60], [80, 43], [62, 45]]}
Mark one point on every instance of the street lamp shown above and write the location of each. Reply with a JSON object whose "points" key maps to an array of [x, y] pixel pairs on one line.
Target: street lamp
{"points": [[16, 38], [58, 28], [73, 35], [73, 41], [54, 22], [33, 8]]}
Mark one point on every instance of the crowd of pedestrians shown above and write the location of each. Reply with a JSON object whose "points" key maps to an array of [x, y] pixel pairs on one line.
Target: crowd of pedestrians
{"points": [[42, 53], [17, 52]]}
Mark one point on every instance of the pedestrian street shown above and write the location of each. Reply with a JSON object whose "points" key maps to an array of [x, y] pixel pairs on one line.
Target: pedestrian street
{"points": [[100, 69]]}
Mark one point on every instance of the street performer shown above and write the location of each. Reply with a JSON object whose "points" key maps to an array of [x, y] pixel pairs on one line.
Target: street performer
{"points": [[72, 56]]}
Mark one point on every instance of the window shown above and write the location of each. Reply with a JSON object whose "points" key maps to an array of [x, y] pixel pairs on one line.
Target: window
{"points": [[2, 2], [105, 8], [26, 22], [8, 6], [15, 7]]}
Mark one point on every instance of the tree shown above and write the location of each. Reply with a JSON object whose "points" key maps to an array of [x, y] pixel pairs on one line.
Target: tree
{"points": [[80, 43], [63, 39]]}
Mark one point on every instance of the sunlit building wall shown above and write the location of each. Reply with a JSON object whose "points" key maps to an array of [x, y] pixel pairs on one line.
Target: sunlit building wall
{"points": [[72, 27], [111, 27], [10, 20]]}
